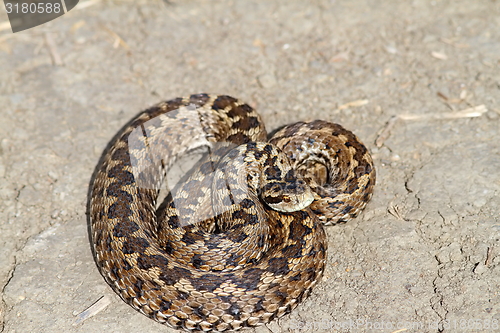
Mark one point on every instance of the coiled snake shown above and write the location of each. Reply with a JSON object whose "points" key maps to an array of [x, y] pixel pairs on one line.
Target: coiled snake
{"points": [[239, 241]]}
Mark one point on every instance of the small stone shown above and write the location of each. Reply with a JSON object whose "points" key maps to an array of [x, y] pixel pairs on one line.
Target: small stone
{"points": [[267, 80], [53, 175], [140, 68], [395, 158], [479, 202], [391, 49], [480, 268], [492, 115], [450, 253], [321, 78], [443, 257], [54, 214], [30, 197]]}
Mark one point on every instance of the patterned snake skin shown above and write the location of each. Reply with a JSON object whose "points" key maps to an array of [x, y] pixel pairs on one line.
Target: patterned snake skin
{"points": [[239, 241]]}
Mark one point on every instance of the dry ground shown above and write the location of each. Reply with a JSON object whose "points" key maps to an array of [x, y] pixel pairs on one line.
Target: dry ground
{"points": [[423, 257]]}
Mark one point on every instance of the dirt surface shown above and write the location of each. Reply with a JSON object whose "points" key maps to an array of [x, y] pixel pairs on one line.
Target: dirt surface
{"points": [[425, 254]]}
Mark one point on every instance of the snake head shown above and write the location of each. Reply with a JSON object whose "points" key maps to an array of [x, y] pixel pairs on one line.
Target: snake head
{"points": [[288, 195]]}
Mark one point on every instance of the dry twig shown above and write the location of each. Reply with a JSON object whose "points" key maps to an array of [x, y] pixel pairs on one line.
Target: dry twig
{"points": [[92, 310], [54, 53], [384, 132]]}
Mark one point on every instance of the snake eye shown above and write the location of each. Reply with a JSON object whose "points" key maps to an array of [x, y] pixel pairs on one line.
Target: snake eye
{"points": [[285, 198]]}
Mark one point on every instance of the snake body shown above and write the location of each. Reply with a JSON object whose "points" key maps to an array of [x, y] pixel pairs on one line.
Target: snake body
{"points": [[239, 241]]}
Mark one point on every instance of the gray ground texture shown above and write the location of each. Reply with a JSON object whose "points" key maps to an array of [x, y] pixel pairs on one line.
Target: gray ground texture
{"points": [[418, 81]]}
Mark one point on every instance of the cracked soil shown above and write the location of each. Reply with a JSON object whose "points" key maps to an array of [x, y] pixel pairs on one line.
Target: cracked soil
{"points": [[418, 81]]}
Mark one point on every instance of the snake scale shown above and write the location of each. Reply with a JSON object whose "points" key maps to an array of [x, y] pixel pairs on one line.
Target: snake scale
{"points": [[239, 240]]}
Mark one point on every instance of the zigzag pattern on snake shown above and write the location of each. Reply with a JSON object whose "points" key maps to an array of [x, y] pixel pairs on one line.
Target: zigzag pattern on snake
{"points": [[239, 241]]}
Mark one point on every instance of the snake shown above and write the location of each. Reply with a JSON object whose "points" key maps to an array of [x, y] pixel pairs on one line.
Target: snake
{"points": [[239, 240]]}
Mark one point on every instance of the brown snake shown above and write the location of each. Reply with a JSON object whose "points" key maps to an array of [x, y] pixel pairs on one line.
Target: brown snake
{"points": [[238, 242]]}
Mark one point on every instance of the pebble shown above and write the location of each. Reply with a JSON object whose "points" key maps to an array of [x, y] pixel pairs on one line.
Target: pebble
{"points": [[267, 80], [30, 197], [54, 214], [480, 268], [450, 253], [53, 175], [479, 202], [492, 115]]}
